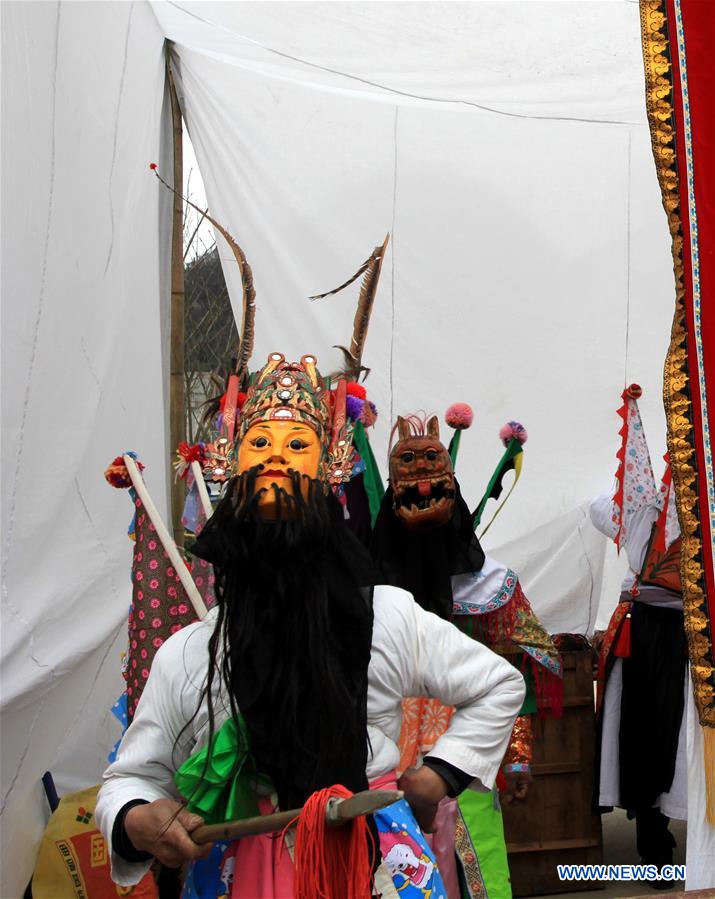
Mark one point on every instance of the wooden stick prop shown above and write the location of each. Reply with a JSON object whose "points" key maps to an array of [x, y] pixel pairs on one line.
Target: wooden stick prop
{"points": [[338, 812], [201, 487], [166, 541]]}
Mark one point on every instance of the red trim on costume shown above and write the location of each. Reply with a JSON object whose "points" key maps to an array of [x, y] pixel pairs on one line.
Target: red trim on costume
{"points": [[621, 471], [699, 29], [230, 400], [606, 656]]}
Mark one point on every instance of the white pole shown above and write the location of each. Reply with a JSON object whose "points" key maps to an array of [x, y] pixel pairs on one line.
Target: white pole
{"points": [[166, 541], [201, 487]]}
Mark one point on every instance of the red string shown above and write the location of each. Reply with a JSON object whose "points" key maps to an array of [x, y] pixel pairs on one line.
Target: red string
{"points": [[331, 862]]}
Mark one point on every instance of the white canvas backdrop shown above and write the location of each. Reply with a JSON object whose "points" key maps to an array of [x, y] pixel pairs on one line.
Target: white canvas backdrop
{"points": [[506, 148], [526, 244], [84, 253]]}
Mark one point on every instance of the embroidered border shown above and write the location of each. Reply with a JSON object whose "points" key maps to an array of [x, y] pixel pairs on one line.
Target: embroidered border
{"points": [[695, 261], [552, 664], [500, 598], [662, 123], [468, 860]]}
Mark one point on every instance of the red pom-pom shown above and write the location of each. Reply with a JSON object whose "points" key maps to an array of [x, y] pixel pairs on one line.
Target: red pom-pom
{"points": [[459, 416], [634, 391], [191, 452], [513, 430], [153, 166], [118, 476], [355, 389]]}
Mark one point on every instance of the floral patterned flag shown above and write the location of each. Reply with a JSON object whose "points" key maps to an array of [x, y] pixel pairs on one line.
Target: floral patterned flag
{"points": [[160, 606], [635, 482]]}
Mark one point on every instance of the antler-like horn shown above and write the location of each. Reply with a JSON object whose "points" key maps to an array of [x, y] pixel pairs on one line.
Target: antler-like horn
{"points": [[245, 344]]}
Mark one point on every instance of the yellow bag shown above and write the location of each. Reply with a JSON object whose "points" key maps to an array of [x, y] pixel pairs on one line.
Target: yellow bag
{"points": [[73, 861]]}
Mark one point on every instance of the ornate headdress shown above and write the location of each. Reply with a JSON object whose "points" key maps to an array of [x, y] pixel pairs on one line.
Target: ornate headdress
{"points": [[296, 391], [287, 391]]}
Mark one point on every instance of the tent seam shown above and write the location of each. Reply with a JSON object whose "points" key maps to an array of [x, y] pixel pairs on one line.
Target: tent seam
{"points": [[392, 262], [111, 640], [393, 90], [116, 130], [590, 567], [14, 780], [100, 542], [33, 357]]}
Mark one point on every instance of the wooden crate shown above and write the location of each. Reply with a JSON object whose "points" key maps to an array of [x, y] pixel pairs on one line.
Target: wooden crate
{"points": [[556, 824]]}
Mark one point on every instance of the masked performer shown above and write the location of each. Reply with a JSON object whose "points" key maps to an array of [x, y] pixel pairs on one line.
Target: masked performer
{"points": [[424, 542], [294, 682], [643, 657]]}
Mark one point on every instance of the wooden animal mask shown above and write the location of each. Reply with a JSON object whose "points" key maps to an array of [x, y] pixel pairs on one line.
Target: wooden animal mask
{"points": [[421, 477]]}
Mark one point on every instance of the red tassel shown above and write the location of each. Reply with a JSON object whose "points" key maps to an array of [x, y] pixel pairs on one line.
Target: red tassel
{"points": [[331, 862], [622, 645]]}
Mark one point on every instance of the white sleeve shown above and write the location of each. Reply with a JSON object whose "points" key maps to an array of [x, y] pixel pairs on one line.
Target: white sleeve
{"points": [[641, 526], [601, 512], [153, 747], [437, 660]]}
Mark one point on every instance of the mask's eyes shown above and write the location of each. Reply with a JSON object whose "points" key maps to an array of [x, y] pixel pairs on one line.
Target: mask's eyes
{"points": [[431, 455], [260, 442], [297, 444], [408, 456]]}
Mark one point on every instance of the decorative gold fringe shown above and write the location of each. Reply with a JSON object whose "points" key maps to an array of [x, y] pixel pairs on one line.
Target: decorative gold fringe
{"points": [[709, 762], [676, 397]]}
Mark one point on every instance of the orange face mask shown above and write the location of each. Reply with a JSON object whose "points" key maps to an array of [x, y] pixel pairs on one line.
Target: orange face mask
{"points": [[279, 446]]}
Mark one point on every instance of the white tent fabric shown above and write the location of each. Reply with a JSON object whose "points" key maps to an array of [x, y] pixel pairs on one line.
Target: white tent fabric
{"points": [[84, 260], [505, 147], [517, 180]]}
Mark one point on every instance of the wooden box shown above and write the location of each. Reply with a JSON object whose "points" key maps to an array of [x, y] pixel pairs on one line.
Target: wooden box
{"points": [[557, 824]]}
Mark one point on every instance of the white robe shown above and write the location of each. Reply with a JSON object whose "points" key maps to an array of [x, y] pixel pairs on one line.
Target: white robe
{"points": [[414, 653], [674, 802]]}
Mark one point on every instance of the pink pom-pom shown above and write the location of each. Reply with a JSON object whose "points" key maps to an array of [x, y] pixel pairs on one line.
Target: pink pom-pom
{"points": [[513, 430], [459, 416]]}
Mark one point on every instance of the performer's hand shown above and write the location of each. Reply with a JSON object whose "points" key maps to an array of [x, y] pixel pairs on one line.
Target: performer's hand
{"points": [[596, 646], [424, 789], [162, 827], [517, 786]]}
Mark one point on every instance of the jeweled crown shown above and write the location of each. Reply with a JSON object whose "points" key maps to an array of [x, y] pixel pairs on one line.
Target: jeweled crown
{"points": [[288, 391]]}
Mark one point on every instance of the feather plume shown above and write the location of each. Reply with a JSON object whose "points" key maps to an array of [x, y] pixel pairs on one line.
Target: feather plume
{"points": [[245, 344], [363, 268], [370, 272], [368, 289]]}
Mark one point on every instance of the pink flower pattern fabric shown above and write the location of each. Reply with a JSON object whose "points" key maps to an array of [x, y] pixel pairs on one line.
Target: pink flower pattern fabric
{"points": [[639, 488], [160, 606]]}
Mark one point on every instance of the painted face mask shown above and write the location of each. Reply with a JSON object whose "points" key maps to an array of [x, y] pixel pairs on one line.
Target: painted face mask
{"points": [[280, 448], [421, 477], [290, 423]]}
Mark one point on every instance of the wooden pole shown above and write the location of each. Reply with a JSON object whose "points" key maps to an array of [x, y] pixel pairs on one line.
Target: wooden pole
{"points": [[338, 812], [203, 492], [177, 385], [163, 534]]}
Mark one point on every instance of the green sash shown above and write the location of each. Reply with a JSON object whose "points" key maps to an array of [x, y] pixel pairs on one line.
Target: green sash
{"points": [[218, 780]]}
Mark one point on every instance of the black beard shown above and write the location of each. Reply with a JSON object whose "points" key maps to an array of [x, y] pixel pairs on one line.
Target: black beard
{"points": [[423, 562], [293, 633]]}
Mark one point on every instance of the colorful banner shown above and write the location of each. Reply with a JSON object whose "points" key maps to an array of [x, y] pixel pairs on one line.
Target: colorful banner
{"points": [[678, 36]]}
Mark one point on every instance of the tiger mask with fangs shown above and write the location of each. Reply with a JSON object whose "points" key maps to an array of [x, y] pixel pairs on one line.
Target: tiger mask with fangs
{"points": [[422, 477]]}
